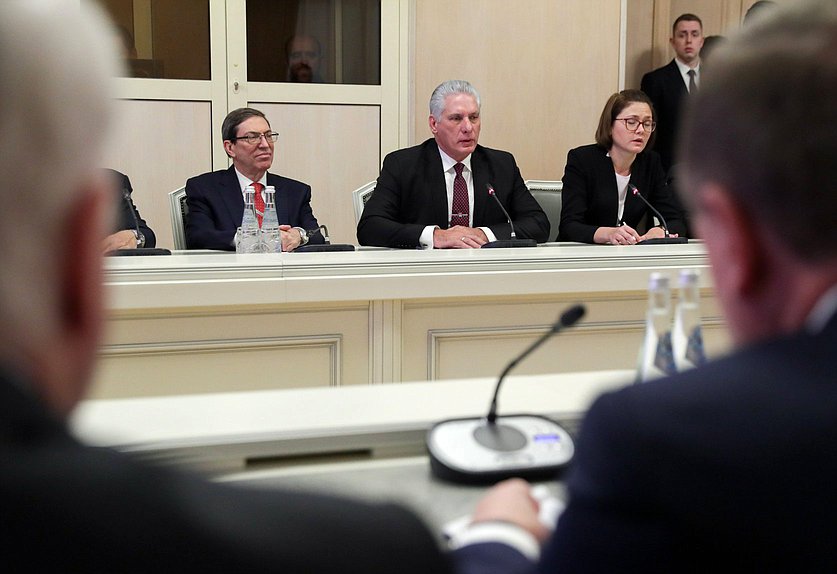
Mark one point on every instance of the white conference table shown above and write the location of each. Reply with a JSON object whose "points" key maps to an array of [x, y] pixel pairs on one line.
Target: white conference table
{"points": [[220, 322], [361, 441]]}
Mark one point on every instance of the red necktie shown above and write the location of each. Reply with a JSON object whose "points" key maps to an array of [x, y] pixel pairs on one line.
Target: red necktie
{"points": [[459, 208], [258, 201]]}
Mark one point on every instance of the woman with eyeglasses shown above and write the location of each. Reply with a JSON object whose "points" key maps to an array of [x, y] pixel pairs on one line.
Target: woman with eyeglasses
{"points": [[601, 181]]}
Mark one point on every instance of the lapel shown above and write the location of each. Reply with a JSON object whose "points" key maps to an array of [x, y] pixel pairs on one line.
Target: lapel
{"points": [[481, 177], [231, 197], [437, 189], [281, 197], [676, 80], [605, 167], [633, 203]]}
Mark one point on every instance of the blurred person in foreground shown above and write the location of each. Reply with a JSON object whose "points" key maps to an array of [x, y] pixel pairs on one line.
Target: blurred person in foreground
{"points": [[67, 507], [728, 466]]}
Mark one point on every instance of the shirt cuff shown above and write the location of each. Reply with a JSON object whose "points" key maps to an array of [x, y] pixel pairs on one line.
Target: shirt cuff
{"points": [[488, 233], [426, 237], [498, 533]]}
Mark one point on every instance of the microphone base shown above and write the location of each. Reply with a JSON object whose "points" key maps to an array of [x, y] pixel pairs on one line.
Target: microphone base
{"points": [[320, 247], [664, 241], [510, 243], [138, 251], [475, 451]]}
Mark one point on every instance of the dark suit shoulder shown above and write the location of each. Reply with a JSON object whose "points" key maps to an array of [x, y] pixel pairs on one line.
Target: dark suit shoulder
{"points": [[280, 180], [210, 177]]}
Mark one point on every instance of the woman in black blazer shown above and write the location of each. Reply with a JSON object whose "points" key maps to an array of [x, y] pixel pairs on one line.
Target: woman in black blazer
{"points": [[598, 205]]}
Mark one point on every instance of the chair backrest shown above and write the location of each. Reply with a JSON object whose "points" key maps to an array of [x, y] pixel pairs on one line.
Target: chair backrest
{"points": [[360, 196], [177, 212], [548, 195]]}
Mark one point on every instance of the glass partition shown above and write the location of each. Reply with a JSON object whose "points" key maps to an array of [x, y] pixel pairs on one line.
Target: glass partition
{"points": [[314, 41]]}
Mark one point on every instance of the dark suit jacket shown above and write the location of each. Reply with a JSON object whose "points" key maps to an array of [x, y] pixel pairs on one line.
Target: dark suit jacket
{"points": [[727, 467], [216, 207], [590, 200], [126, 209], [67, 507], [666, 88], [411, 195]]}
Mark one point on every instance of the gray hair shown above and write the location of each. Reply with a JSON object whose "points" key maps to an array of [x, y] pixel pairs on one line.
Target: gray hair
{"points": [[55, 112], [449, 88], [763, 126]]}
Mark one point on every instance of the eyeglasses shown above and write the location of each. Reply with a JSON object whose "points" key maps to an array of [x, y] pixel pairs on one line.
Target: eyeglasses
{"points": [[632, 124], [254, 138]]}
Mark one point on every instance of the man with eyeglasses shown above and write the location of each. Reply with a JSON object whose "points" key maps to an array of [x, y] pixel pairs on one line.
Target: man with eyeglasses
{"points": [[216, 199]]}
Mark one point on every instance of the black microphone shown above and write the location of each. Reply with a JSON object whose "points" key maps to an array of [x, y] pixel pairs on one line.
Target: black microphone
{"points": [[514, 241], [126, 197], [478, 450], [321, 247], [657, 240], [568, 318]]}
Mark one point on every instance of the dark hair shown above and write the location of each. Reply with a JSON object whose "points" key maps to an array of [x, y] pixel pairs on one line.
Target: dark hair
{"points": [[710, 43], [686, 18], [758, 10], [766, 133], [234, 119], [614, 106]]}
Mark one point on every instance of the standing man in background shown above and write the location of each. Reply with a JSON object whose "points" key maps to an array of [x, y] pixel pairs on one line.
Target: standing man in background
{"points": [[434, 195], [67, 507], [669, 86]]}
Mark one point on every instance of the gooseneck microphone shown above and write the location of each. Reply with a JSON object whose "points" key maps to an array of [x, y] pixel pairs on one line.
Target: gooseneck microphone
{"points": [[657, 240], [514, 241], [126, 197], [484, 450], [568, 318]]}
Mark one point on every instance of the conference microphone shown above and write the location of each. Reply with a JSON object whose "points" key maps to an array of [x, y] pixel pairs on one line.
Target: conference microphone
{"points": [[320, 247], [514, 241], [126, 197], [485, 450], [656, 240]]}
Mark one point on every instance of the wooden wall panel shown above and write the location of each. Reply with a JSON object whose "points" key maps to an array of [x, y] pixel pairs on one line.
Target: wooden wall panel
{"points": [[159, 145], [334, 149], [544, 70]]}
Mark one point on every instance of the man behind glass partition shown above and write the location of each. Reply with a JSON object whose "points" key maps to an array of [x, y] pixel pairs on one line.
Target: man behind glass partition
{"points": [[304, 58], [67, 507], [434, 195]]}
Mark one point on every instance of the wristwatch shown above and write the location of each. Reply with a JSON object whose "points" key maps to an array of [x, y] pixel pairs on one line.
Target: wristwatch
{"points": [[140, 238], [303, 235]]}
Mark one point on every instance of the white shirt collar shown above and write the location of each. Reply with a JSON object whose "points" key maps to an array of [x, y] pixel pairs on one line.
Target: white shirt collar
{"points": [[244, 181], [684, 71], [448, 162]]}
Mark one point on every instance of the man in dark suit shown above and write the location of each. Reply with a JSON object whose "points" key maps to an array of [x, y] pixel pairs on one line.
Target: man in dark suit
{"points": [[67, 507], [669, 86], [728, 466], [434, 195], [131, 229], [216, 200]]}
